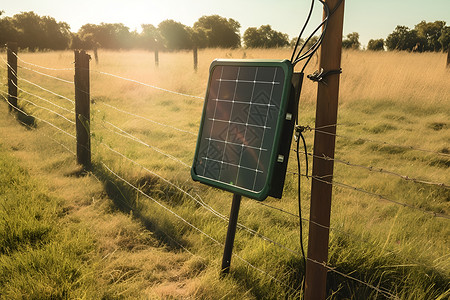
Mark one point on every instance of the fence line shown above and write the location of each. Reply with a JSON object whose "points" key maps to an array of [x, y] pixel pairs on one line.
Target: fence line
{"points": [[377, 170], [149, 120], [381, 197], [46, 68], [37, 118], [380, 142], [44, 89], [149, 85], [47, 75], [136, 139], [43, 99], [45, 108], [18, 77], [381, 170]]}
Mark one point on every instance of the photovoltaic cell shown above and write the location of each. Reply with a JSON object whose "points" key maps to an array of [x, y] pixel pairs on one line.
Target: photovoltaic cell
{"points": [[244, 109]]}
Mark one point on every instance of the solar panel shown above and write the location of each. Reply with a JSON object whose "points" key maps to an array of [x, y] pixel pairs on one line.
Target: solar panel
{"points": [[245, 109]]}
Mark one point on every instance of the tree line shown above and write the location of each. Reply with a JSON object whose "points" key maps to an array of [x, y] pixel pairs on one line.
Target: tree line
{"points": [[425, 36], [34, 32]]}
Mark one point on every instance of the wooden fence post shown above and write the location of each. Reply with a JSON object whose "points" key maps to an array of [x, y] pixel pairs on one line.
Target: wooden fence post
{"points": [[82, 108], [448, 57], [156, 57], [195, 53], [324, 146], [12, 74], [96, 54]]}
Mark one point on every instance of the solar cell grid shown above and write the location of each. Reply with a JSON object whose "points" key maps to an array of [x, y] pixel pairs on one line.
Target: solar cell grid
{"points": [[239, 125]]}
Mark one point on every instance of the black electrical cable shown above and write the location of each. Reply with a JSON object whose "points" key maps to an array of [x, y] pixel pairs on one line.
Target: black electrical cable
{"points": [[301, 31], [317, 44], [310, 52], [298, 135]]}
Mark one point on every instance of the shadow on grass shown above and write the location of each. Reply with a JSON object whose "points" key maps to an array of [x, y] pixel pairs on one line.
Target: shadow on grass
{"points": [[22, 116], [124, 199]]}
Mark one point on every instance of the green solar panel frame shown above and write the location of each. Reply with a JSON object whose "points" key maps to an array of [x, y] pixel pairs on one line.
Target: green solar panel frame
{"points": [[263, 192]]}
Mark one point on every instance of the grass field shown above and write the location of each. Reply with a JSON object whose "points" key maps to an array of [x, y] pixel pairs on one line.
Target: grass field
{"points": [[395, 97]]}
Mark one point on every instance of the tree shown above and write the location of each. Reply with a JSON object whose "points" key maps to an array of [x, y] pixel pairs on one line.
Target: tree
{"points": [[106, 35], [39, 33], [403, 39], [175, 35], [8, 33], [444, 39], [199, 37], [221, 32], [351, 41], [150, 38], [429, 34], [376, 45], [265, 37]]}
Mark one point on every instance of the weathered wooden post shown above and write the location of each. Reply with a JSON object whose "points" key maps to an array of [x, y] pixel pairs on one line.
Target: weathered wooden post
{"points": [[12, 74], [324, 146], [195, 53], [82, 108], [156, 57], [96, 54], [448, 57]]}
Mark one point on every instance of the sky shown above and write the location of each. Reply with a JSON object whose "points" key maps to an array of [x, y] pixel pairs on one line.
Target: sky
{"points": [[372, 19]]}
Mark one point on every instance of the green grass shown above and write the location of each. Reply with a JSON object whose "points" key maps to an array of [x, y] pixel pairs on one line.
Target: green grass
{"points": [[41, 255], [396, 248]]}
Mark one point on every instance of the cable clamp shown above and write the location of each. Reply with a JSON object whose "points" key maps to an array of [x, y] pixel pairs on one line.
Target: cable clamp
{"points": [[299, 129], [320, 75]]}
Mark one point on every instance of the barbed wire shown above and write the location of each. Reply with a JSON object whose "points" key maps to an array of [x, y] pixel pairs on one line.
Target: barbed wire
{"points": [[136, 139], [37, 118], [147, 119], [44, 89], [148, 85], [47, 75], [43, 99], [46, 68], [381, 197], [375, 141], [383, 291], [378, 170], [45, 108]]}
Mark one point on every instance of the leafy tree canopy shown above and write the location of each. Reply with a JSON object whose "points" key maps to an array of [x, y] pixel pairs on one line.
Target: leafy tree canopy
{"points": [[351, 41], [264, 37], [220, 32], [376, 45]]}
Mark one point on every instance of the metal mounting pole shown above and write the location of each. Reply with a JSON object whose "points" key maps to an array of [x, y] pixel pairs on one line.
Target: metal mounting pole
{"points": [[226, 260]]}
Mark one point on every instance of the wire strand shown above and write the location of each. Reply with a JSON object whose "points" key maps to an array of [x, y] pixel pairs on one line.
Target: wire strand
{"points": [[49, 91], [381, 197], [148, 85], [37, 118], [136, 139], [147, 119], [47, 75], [46, 68]]}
